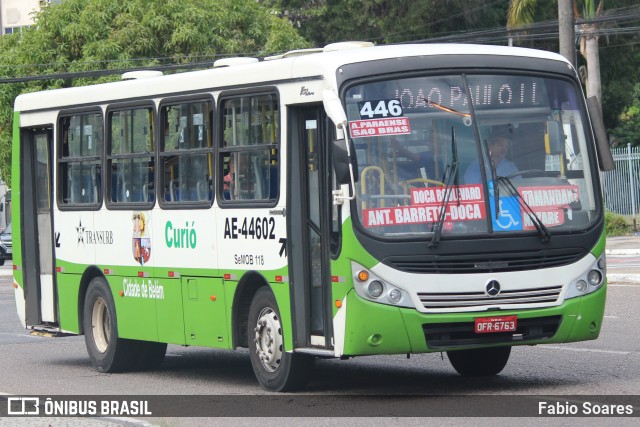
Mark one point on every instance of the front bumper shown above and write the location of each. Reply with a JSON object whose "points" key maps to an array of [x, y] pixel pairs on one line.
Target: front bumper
{"points": [[372, 328]]}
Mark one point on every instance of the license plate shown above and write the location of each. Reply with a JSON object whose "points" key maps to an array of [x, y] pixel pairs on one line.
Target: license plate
{"points": [[8, 250], [489, 325]]}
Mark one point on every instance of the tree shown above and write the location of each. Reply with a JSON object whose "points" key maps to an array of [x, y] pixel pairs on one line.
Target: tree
{"points": [[88, 35], [589, 47], [613, 84], [628, 130], [521, 12], [386, 21], [566, 32]]}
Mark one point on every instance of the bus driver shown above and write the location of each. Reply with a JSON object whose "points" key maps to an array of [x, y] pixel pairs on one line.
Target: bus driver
{"points": [[498, 144]]}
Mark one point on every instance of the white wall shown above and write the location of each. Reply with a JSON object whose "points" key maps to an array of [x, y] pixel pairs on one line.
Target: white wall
{"points": [[17, 13]]}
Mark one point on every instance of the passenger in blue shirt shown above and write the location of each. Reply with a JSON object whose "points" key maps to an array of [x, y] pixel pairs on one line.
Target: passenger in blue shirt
{"points": [[498, 148]]}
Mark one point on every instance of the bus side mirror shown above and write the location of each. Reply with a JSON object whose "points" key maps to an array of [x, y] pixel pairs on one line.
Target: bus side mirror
{"points": [[605, 158], [342, 160], [555, 138]]}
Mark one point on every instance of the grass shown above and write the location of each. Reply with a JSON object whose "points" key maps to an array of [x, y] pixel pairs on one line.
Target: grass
{"points": [[616, 225]]}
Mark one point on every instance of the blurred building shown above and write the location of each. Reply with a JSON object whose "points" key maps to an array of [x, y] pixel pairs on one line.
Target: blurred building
{"points": [[17, 14]]}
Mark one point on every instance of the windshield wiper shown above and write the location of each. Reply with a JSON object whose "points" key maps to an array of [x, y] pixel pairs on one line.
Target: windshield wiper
{"points": [[494, 177], [537, 222], [452, 179]]}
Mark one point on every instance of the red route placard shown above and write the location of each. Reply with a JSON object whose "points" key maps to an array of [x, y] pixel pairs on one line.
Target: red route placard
{"points": [[549, 203], [379, 127], [466, 203]]}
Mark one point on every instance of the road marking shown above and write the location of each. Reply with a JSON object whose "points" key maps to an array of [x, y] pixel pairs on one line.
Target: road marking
{"points": [[611, 317], [589, 350]]}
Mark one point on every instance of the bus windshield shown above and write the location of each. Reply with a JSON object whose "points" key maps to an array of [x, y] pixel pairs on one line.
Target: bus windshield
{"points": [[470, 154]]}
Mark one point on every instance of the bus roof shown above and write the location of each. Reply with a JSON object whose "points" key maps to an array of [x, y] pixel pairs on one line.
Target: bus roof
{"points": [[314, 65]]}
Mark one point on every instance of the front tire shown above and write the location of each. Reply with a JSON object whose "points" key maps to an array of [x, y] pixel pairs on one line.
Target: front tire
{"points": [[107, 352], [275, 369], [479, 362]]}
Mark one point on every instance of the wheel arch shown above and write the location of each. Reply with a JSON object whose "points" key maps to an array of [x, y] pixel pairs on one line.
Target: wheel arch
{"points": [[247, 287], [89, 274]]}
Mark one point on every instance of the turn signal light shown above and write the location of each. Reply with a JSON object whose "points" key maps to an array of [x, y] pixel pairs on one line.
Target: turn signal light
{"points": [[363, 275]]}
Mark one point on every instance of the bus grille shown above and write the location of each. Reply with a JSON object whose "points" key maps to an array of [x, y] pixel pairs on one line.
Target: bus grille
{"points": [[506, 297], [461, 334], [485, 262]]}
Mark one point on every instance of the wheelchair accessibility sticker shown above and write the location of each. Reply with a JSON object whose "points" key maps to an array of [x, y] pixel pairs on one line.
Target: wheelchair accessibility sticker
{"points": [[509, 216]]}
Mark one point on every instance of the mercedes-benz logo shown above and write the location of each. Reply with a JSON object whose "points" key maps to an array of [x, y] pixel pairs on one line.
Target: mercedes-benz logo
{"points": [[492, 288]]}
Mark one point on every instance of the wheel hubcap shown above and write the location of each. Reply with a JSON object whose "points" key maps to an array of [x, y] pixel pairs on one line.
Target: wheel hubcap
{"points": [[268, 339], [100, 325]]}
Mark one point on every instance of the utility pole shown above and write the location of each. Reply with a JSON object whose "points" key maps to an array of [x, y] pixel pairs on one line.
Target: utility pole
{"points": [[566, 30]]}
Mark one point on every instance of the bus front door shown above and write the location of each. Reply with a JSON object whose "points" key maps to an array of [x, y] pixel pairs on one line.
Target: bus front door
{"points": [[36, 229], [309, 215]]}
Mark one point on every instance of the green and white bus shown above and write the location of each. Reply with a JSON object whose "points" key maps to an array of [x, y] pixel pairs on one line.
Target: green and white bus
{"points": [[324, 203]]}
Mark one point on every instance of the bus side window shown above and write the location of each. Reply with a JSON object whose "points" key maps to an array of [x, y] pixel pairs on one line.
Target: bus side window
{"points": [[228, 177], [72, 184], [249, 166], [186, 154], [79, 159], [274, 181], [83, 184], [117, 185], [131, 155]]}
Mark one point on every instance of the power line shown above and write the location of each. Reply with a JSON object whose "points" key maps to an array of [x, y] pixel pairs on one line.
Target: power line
{"points": [[537, 31]]}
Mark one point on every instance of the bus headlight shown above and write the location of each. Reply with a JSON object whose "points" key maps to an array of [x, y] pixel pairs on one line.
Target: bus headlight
{"points": [[373, 288], [582, 286], [589, 281], [594, 277], [395, 296]]}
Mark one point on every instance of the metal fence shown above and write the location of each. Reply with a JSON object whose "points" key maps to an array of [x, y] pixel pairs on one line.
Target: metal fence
{"points": [[620, 187]]}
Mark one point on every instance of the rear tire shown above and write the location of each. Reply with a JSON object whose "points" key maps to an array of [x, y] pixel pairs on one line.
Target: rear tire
{"points": [[275, 369], [479, 362], [107, 352]]}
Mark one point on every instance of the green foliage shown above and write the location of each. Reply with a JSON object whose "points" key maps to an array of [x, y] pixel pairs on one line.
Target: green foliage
{"points": [[628, 129], [521, 13], [616, 225], [387, 21], [89, 35], [620, 73]]}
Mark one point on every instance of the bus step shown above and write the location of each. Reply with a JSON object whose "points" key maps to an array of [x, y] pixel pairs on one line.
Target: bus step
{"points": [[48, 333], [318, 352]]}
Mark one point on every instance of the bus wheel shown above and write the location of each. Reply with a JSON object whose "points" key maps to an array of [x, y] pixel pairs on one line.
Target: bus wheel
{"points": [[275, 369], [479, 362], [107, 352]]}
